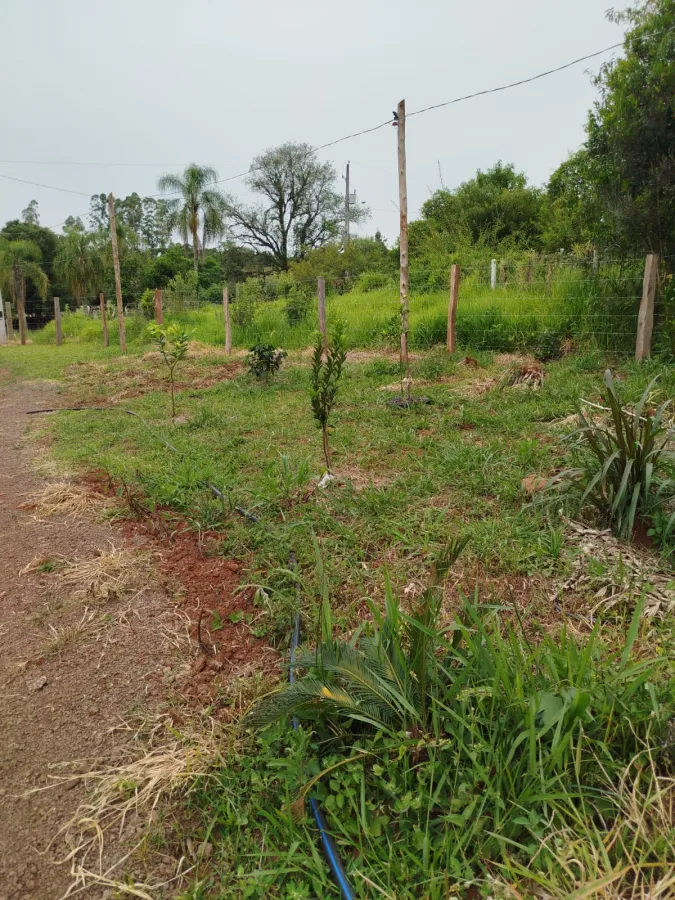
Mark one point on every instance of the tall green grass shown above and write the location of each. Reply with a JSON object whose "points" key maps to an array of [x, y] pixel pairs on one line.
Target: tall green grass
{"points": [[516, 315]]}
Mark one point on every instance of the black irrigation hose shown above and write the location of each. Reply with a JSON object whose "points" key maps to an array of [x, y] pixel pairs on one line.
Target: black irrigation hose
{"points": [[334, 862]]}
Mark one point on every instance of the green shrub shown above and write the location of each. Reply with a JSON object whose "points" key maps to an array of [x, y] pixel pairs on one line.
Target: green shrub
{"points": [[146, 303], [298, 303], [212, 294], [264, 360], [622, 461], [372, 281], [172, 342]]}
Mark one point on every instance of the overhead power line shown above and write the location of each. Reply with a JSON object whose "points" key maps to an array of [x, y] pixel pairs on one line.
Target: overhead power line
{"points": [[355, 134]]}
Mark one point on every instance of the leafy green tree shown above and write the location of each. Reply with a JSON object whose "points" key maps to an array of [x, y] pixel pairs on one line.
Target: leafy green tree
{"points": [[19, 262], [363, 254], [327, 364], [48, 242], [200, 206], [211, 271], [172, 342], [167, 265], [301, 209], [497, 204], [31, 214], [571, 213], [631, 133], [79, 264]]}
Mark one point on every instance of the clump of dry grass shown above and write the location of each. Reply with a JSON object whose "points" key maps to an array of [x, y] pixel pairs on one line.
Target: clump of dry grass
{"points": [[613, 574], [168, 766], [65, 498], [530, 375], [60, 638], [109, 575], [629, 856]]}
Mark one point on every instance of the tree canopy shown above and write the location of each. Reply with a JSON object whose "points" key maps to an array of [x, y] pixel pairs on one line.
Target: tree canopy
{"points": [[300, 209], [200, 206]]}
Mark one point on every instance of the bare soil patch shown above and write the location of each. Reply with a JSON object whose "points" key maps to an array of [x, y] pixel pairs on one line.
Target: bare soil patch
{"points": [[98, 623]]}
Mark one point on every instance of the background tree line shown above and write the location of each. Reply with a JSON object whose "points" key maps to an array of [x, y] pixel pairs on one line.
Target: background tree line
{"points": [[616, 193]]}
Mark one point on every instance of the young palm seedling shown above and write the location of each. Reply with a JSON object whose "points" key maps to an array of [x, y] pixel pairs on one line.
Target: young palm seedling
{"points": [[326, 371], [172, 343]]}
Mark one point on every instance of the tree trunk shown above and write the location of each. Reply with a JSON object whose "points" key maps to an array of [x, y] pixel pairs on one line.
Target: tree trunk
{"points": [[195, 249], [326, 449]]}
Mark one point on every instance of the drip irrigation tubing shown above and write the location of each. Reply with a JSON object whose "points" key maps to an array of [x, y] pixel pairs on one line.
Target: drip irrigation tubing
{"points": [[330, 850]]}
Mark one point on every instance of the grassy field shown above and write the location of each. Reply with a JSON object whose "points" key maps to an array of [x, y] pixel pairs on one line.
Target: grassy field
{"points": [[407, 818]]}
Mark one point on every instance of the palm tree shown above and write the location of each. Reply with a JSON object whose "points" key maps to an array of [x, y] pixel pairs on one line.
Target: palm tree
{"points": [[79, 264], [20, 260], [199, 205]]}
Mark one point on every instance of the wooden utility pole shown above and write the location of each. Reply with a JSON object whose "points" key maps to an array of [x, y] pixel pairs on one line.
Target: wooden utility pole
{"points": [[452, 307], [645, 326], [321, 291], [347, 206], [104, 319], [228, 327], [403, 243], [116, 266], [9, 321], [57, 321], [159, 311]]}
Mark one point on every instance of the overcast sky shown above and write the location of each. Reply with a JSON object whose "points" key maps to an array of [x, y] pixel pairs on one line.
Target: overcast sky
{"points": [[156, 84]]}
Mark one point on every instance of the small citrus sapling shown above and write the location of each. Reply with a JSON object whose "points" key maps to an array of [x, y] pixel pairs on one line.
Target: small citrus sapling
{"points": [[172, 343], [325, 376], [264, 360]]}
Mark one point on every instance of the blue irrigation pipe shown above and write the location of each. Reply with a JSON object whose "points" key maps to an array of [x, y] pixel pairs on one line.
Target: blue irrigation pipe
{"points": [[329, 848]]}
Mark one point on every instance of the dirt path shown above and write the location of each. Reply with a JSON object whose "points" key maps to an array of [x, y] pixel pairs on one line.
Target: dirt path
{"points": [[76, 663]]}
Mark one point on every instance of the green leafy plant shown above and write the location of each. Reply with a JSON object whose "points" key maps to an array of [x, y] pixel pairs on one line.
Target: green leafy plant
{"points": [[264, 360], [385, 682], [622, 461], [172, 342], [327, 365]]}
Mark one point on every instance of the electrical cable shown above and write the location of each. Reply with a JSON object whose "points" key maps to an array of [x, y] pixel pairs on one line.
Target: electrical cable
{"points": [[356, 134]]}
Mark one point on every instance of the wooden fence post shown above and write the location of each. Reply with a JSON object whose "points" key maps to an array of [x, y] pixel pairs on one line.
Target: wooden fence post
{"points": [[104, 319], [596, 261], [645, 326], [116, 267], [493, 273], [9, 321], [228, 327], [321, 291], [549, 276], [3, 325], [57, 321], [159, 310], [403, 244], [452, 307]]}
